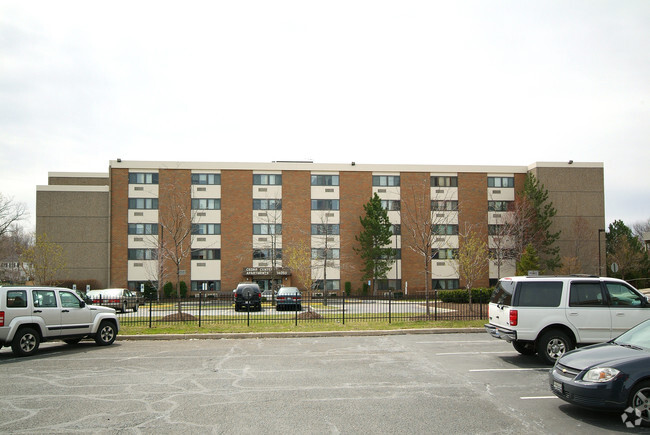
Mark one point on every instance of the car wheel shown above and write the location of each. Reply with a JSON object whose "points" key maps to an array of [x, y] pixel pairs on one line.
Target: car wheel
{"points": [[640, 400], [524, 348], [135, 308], [299, 307], [25, 342], [72, 340], [106, 334], [124, 307], [552, 345]]}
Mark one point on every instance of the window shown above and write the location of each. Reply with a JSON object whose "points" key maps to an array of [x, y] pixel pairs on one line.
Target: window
{"points": [[324, 229], [496, 230], [143, 178], [143, 254], [267, 204], [444, 205], [210, 286], [438, 181], [623, 296], [319, 253], [44, 298], [445, 230], [264, 229], [267, 179], [586, 294], [444, 254], [539, 294], [16, 299], [331, 284], [143, 203], [385, 180], [397, 255], [206, 254], [324, 204], [206, 204], [499, 205], [501, 181], [445, 284], [396, 229], [389, 284], [206, 178], [206, 229], [143, 229], [266, 254], [390, 204], [68, 300], [324, 180]]}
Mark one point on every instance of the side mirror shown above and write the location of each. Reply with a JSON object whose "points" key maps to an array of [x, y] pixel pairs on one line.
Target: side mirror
{"points": [[82, 304]]}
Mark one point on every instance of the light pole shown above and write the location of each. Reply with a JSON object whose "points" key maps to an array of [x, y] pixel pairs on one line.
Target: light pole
{"points": [[600, 268]]}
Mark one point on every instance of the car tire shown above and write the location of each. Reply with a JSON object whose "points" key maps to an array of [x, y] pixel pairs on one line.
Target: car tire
{"points": [[552, 345], [640, 400], [124, 305], [135, 308], [299, 307], [524, 348], [72, 341], [106, 333], [25, 342]]}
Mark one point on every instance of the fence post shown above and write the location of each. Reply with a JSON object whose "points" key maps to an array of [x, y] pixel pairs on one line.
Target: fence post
{"points": [[344, 309], [200, 297], [150, 308], [390, 294]]}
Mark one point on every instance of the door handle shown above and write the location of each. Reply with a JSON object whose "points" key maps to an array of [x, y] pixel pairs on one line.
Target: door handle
{"points": [[38, 311], [620, 314], [65, 311], [573, 314]]}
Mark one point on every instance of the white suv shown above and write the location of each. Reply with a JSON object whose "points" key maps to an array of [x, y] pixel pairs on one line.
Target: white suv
{"points": [[551, 315], [31, 315]]}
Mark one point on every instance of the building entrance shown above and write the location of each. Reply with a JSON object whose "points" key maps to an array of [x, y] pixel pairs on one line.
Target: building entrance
{"points": [[267, 284]]}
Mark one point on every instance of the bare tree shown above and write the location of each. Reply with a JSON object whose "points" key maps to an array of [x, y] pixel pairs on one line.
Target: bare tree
{"points": [[10, 213], [324, 250], [269, 213], [424, 229], [472, 258], [43, 261], [12, 244], [297, 257], [520, 228]]}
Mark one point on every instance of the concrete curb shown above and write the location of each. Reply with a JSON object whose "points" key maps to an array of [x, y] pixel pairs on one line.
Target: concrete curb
{"points": [[239, 335]]}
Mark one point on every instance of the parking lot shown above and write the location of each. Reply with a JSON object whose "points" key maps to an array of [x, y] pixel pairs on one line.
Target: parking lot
{"points": [[412, 383]]}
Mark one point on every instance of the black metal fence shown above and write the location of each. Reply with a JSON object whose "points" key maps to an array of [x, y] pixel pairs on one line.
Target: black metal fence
{"points": [[221, 309]]}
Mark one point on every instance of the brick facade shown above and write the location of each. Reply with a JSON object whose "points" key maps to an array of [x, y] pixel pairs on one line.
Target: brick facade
{"points": [[236, 226], [119, 181], [355, 192]]}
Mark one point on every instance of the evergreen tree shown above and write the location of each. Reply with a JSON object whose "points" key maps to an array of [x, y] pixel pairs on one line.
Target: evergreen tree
{"points": [[374, 241], [528, 261], [537, 195]]}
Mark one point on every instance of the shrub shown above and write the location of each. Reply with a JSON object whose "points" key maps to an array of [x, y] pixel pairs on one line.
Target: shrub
{"points": [[168, 289], [183, 289], [479, 295], [364, 292], [149, 291], [348, 288]]}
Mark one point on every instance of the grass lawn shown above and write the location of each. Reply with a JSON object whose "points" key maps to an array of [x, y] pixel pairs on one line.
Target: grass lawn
{"points": [[289, 326]]}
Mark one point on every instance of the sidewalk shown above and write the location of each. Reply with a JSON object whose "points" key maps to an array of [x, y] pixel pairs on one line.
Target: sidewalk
{"points": [[234, 335]]}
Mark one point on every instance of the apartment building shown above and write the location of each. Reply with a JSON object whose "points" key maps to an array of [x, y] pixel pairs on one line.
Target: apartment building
{"points": [[234, 222]]}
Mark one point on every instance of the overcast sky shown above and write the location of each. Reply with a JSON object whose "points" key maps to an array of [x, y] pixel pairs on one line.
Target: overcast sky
{"points": [[412, 82]]}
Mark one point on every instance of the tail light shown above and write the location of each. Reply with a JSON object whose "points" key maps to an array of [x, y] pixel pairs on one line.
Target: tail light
{"points": [[2, 318], [514, 317], [280, 298]]}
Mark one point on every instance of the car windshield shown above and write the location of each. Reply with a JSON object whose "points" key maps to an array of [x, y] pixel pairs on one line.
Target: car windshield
{"points": [[639, 336]]}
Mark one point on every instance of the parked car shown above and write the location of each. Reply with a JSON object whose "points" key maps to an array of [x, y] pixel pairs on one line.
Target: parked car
{"points": [[611, 376], [551, 315], [288, 298], [120, 299], [31, 315], [248, 296]]}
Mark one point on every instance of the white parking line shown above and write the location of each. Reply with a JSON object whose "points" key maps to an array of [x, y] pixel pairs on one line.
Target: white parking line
{"points": [[538, 397], [512, 370], [474, 353]]}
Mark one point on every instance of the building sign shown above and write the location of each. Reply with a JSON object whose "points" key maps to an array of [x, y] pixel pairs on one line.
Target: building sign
{"points": [[279, 271]]}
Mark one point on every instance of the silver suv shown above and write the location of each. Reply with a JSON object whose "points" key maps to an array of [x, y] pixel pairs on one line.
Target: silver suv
{"points": [[31, 315], [550, 315]]}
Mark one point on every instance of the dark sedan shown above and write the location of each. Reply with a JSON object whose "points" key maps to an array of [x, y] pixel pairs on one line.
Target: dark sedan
{"points": [[613, 376], [288, 298]]}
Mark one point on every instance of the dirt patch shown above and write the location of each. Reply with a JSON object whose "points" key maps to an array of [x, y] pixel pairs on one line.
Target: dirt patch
{"points": [[307, 315], [178, 317]]}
